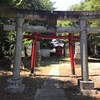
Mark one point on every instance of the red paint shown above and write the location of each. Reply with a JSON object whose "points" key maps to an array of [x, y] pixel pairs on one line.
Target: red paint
{"points": [[71, 53], [52, 36], [33, 51], [59, 51], [36, 36]]}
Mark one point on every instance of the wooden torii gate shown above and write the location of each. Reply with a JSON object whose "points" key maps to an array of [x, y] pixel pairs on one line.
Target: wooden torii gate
{"points": [[15, 83], [36, 36]]}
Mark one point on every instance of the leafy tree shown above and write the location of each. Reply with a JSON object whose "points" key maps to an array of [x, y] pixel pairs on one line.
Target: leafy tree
{"points": [[46, 44], [90, 5], [35, 4]]}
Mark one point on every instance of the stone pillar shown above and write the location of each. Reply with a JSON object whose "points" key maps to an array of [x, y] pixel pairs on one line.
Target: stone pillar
{"points": [[38, 57], [66, 49], [83, 50], [15, 83], [86, 86], [77, 53]]}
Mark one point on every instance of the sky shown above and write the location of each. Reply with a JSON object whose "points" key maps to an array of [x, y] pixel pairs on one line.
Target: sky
{"points": [[64, 4]]}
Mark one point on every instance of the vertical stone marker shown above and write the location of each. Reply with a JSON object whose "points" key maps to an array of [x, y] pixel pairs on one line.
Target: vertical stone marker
{"points": [[77, 53], [38, 56], [66, 49]]}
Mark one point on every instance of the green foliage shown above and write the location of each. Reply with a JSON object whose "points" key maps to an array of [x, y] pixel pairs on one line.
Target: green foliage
{"points": [[9, 44], [87, 5], [26, 42], [29, 4], [7, 38], [63, 23], [90, 5], [33, 4], [84, 5], [46, 44], [5, 2]]}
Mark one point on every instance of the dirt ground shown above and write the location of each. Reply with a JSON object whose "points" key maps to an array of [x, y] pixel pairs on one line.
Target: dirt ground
{"points": [[70, 85], [65, 81]]}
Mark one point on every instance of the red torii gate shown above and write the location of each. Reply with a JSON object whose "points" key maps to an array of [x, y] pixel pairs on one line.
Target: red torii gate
{"points": [[36, 36]]}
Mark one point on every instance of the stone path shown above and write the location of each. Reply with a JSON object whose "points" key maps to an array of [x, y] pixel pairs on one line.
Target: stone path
{"points": [[50, 89]]}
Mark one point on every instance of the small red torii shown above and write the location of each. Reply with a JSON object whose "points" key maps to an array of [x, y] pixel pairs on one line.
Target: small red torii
{"points": [[36, 36]]}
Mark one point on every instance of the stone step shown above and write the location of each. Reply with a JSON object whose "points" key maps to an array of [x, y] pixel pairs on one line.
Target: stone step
{"points": [[50, 98], [51, 94]]}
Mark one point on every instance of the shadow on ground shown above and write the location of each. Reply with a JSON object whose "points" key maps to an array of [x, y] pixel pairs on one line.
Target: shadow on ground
{"points": [[94, 60], [45, 61], [72, 91], [31, 85]]}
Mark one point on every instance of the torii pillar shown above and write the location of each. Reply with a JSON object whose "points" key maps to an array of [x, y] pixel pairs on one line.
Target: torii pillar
{"points": [[71, 55], [86, 86], [15, 83]]}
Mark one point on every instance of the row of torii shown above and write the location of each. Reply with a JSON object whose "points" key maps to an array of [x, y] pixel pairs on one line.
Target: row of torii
{"points": [[15, 83]]}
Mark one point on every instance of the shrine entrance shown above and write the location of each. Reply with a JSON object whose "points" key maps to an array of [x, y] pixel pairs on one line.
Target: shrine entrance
{"points": [[36, 36], [15, 83]]}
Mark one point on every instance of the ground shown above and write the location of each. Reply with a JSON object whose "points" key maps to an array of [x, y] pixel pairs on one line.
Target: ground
{"points": [[65, 81]]}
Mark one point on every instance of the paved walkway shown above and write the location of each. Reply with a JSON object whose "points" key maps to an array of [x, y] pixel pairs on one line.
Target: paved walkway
{"points": [[50, 89]]}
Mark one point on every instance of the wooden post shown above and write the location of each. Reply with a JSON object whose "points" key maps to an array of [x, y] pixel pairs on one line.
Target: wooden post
{"points": [[33, 53], [71, 53]]}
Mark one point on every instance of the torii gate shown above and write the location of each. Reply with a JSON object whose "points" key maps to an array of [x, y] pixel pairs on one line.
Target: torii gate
{"points": [[15, 83], [36, 36]]}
